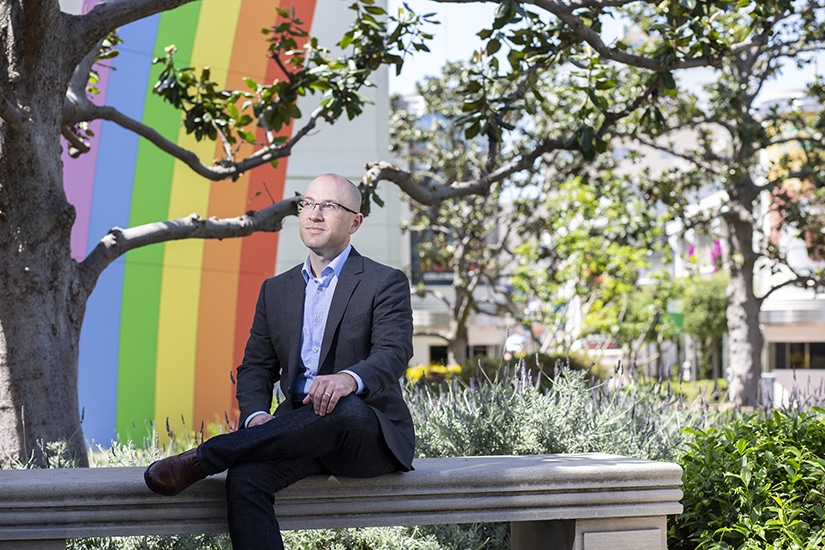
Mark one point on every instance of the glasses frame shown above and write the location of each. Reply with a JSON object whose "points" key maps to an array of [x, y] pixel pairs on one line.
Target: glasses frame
{"points": [[323, 205]]}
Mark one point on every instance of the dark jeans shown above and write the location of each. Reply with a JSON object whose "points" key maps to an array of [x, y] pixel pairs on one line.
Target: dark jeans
{"points": [[264, 459]]}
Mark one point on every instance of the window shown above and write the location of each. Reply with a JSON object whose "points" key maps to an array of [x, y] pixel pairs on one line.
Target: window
{"points": [[438, 355], [798, 355]]}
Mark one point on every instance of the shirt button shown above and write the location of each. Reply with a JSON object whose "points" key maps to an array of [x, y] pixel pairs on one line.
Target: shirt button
{"points": [[315, 350], [317, 319]]}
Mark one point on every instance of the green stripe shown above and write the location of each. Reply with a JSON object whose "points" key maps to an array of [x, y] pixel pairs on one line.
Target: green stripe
{"points": [[143, 269]]}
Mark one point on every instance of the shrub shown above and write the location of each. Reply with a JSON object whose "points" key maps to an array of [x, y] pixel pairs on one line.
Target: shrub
{"points": [[755, 482], [522, 413]]}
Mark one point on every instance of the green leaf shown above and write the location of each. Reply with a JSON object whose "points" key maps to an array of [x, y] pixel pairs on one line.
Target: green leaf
{"points": [[472, 130], [586, 138], [493, 46]]}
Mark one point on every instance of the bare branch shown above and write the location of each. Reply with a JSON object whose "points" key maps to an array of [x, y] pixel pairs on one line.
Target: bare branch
{"points": [[78, 146], [797, 279], [382, 170], [689, 156], [119, 241], [223, 169], [432, 333], [14, 115]]}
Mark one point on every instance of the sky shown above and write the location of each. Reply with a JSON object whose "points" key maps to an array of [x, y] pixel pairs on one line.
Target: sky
{"points": [[455, 39]]}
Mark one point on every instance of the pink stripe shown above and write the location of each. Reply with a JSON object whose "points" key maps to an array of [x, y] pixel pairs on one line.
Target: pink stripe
{"points": [[79, 173]]}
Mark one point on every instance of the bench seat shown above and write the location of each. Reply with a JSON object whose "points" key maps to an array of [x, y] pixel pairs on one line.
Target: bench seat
{"points": [[586, 501]]}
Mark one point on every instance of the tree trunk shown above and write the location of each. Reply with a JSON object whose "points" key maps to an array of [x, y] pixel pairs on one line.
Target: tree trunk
{"points": [[715, 346], [745, 336], [42, 298], [457, 346]]}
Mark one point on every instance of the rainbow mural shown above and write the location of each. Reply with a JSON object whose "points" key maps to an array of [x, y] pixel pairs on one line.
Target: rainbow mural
{"points": [[167, 323]]}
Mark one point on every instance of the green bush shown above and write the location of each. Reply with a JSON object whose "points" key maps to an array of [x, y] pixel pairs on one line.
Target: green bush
{"points": [[755, 482]]}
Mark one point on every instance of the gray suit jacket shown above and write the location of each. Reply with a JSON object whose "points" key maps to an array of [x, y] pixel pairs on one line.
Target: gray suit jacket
{"points": [[369, 331]]}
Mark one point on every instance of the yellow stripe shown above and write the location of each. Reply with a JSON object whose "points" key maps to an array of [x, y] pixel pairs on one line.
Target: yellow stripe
{"points": [[180, 286]]}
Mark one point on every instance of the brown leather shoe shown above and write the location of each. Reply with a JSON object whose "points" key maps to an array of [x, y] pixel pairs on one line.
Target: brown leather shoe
{"points": [[172, 475]]}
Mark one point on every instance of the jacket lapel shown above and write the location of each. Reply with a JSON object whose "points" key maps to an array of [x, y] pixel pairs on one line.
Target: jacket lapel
{"points": [[294, 319], [347, 283]]}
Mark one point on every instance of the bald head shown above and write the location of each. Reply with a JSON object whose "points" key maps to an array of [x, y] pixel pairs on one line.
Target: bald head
{"points": [[347, 193]]}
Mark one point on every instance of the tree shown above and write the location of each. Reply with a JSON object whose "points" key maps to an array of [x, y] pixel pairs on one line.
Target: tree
{"points": [[467, 237], [48, 57], [48, 60], [746, 43], [581, 259], [721, 141]]}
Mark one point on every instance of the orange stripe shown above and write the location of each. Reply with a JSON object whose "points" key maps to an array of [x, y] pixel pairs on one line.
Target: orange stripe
{"points": [[215, 352]]}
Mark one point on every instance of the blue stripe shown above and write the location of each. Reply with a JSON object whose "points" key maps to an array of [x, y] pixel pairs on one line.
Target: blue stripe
{"points": [[111, 202]]}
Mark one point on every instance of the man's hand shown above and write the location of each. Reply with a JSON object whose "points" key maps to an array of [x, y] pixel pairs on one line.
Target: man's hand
{"points": [[259, 419], [327, 389]]}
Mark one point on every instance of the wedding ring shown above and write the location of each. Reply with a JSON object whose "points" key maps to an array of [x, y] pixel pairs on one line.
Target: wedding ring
{"points": [[327, 394]]}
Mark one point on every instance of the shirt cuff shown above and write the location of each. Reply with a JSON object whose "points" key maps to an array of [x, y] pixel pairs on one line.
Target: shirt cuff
{"points": [[251, 416], [357, 380]]}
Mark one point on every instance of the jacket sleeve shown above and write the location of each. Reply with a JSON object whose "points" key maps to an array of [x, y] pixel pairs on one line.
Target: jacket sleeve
{"points": [[260, 368], [390, 330]]}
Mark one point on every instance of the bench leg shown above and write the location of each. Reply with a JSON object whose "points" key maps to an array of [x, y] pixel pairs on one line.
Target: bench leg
{"points": [[556, 534]]}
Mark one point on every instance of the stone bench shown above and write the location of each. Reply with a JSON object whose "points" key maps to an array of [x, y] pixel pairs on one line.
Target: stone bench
{"points": [[570, 501]]}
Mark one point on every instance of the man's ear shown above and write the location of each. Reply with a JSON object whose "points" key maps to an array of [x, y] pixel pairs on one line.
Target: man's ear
{"points": [[356, 223]]}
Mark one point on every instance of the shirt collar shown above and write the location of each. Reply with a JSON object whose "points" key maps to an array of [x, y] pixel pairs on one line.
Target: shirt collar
{"points": [[334, 268]]}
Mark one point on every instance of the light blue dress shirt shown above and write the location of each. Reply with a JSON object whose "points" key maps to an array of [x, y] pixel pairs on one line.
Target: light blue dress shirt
{"points": [[317, 300]]}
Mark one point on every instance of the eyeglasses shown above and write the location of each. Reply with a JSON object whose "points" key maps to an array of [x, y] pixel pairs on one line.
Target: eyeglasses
{"points": [[327, 207]]}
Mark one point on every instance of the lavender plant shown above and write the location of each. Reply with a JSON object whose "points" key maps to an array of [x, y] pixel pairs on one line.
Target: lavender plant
{"points": [[517, 414]]}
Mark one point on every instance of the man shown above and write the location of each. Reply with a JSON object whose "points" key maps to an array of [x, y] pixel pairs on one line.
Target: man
{"points": [[336, 333]]}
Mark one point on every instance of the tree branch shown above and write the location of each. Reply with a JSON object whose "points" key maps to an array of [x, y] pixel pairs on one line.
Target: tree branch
{"points": [[432, 333], [119, 241], [14, 115], [223, 169], [86, 30], [564, 11], [76, 144], [689, 156], [382, 170]]}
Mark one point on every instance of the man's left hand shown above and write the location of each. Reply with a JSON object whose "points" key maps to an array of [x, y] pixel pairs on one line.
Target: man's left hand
{"points": [[327, 390]]}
